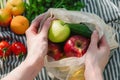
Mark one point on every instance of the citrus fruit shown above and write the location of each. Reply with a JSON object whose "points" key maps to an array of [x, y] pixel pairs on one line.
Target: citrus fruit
{"points": [[19, 24], [5, 17], [17, 7]]}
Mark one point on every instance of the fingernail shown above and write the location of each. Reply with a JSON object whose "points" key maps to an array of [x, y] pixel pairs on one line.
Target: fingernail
{"points": [[95, 32]]}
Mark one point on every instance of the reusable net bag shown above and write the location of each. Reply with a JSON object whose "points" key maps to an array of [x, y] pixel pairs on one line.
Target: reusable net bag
{"points": [[72, 68]]}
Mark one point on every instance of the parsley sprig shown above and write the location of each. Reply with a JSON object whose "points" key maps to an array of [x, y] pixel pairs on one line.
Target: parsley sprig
{"points": [[36, 7]]}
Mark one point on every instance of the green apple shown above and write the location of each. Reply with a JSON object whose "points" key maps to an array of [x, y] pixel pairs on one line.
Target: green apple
{"points": [[58, 32]]}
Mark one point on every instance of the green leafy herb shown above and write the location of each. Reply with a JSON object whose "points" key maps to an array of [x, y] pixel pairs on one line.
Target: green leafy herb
{"points": [[36, 7]]}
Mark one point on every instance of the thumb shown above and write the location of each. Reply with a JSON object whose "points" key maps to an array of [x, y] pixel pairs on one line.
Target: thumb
{"points": [[46, 26], [104, 44], [32, 30], [94, 40]]}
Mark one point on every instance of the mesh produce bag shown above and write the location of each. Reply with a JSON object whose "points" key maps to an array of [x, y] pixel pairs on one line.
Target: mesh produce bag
{"points": [[72, 68]]}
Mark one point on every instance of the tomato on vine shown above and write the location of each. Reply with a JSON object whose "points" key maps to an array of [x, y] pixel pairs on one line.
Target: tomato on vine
{"points": [[5, 49], [18, 48]]}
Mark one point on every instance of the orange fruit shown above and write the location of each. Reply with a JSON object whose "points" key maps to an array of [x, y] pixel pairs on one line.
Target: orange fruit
{"points": [[5, 17], [17, 7], [19, 24]]}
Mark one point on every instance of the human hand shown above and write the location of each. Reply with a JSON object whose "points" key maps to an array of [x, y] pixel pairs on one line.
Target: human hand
{"points": [[37, 45], [97, 57], [98, 52], [37, 42]]}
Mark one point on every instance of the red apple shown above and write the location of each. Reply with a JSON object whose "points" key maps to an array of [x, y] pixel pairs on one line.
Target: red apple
{"points": [[54, 51], [76, 46]]}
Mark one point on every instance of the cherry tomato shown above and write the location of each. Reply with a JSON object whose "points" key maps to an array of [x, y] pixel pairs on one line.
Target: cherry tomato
{"points": [[5, 49], [18, 48]]}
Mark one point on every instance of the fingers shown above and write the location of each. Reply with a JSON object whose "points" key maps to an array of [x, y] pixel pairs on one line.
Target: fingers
{"points": [[94, 40], [104, 44], [39, 18], [103, 41], [46, 25], [32, 30]]}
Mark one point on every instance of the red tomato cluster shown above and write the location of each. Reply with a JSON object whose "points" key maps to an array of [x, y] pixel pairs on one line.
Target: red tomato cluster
{"points": [[17, 48]]}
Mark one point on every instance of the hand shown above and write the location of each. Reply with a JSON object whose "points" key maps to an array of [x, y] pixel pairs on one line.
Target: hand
{"points": [[98, 51], [97, 57], [37, 45], [37, 42]]}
